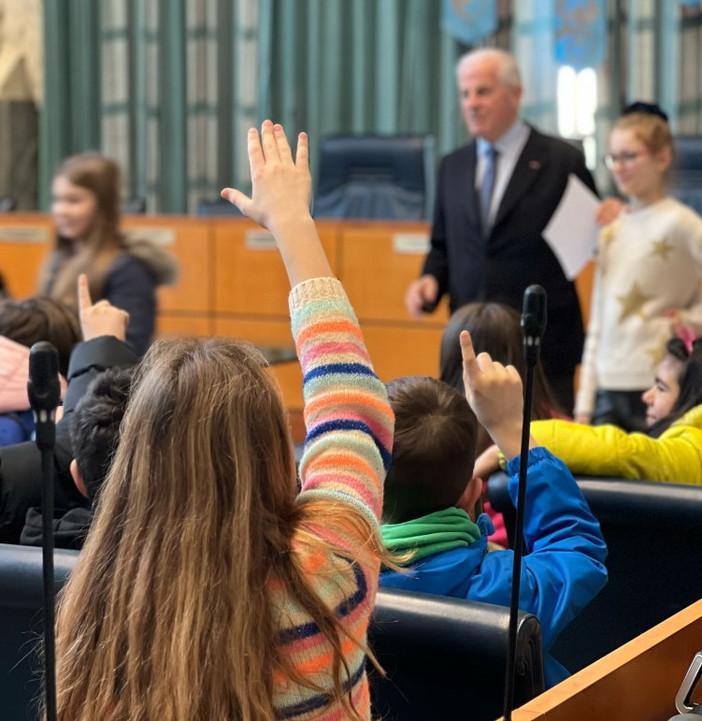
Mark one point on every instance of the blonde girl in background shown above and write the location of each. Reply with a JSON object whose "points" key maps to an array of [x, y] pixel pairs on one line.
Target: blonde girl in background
{"points": [[647, 283]]}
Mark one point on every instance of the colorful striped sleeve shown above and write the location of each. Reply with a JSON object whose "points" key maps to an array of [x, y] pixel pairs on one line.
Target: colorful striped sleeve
{"points": [[348, 419]]}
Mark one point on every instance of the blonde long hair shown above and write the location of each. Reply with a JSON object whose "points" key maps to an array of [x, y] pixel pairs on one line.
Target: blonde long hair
{"points": [[59, 276], [168, 614]]}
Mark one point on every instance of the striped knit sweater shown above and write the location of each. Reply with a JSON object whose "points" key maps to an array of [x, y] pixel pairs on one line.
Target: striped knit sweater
{"points": [[349, 438]]}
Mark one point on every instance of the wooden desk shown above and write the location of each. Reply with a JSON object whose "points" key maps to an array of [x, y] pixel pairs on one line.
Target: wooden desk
{"points": [[637, 682], [233, 283]]}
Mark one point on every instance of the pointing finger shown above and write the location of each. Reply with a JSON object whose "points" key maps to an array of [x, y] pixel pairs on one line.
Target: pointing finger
{"points": [[470, 363], [84, 301]]}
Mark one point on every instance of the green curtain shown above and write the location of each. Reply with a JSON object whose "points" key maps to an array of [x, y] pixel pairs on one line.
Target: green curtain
{"points": [[169, 87]]}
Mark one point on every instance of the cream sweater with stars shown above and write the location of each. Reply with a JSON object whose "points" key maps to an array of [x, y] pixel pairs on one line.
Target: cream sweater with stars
{"points": [[649, 261]]}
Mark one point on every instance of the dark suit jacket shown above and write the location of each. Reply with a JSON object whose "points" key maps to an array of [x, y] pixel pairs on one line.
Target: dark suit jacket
{"points": [[514, 255]]}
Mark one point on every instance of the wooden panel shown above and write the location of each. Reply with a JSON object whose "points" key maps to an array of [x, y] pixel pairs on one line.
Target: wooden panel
{"points": [[378, 262], [402, 350], [637, 682], [178, 325], [249, 273], [265, 332], [25, 239], [190, 241]]}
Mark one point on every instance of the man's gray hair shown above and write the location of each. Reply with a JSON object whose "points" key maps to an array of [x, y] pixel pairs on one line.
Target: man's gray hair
{"points": [[507, 70]]}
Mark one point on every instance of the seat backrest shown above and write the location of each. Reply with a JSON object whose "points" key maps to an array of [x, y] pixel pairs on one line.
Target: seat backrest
{"points": [[375, 176], [653, 533], [21, 603], [218, 206], [685, 182], [446, 657]]}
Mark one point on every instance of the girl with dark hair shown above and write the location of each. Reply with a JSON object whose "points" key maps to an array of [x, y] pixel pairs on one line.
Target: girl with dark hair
{"points": [[208, 588], [86, 209], [22, 324], [670, 450]]}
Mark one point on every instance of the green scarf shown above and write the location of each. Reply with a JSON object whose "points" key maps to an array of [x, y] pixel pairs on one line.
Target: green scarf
{"points": [[430, 534]]}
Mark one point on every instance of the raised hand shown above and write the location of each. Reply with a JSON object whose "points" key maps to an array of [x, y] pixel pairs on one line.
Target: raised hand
{"points": [[494, 392], [282, 187], [101, 318], [280, 201]]}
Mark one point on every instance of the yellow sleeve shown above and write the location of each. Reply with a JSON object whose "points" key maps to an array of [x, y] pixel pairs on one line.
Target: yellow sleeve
{"points": [[674, 457]]}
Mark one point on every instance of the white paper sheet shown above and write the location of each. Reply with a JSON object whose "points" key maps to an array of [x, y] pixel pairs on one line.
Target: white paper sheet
{"points": [[573, 229]]}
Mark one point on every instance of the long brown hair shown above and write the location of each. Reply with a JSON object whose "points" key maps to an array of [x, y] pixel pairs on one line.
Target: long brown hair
{"points": [[168, 614], [101, 176]]}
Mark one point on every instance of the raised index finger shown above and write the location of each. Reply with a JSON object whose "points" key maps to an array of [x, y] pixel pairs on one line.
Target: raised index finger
{"points": [[84, 301], [470, 363]]}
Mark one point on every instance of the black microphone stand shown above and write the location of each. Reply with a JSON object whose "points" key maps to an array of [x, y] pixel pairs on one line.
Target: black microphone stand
{"points": [[44, 393], [533, 325]]}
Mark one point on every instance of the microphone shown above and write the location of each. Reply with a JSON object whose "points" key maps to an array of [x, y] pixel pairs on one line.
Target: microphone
{"points": [[533, 322], [44, 391]]}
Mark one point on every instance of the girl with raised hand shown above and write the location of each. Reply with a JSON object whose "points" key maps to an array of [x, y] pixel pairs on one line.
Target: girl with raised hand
{"points": [[207, 588], [123, 270], [647, 285]]}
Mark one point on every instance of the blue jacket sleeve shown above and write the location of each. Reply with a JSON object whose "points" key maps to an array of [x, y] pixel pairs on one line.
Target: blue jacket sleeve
{"points": [[131, 286], [563, 567]]}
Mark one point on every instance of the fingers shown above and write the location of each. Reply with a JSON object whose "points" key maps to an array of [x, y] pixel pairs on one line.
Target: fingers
{"points": [[302, 154], [236, 197], [269, 142], [470, 362], [84, 301], [253, 147], [282, 144]]}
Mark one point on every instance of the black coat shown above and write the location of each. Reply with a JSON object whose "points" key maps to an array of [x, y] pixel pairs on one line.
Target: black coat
{"points": [[20, 464], [514, 255]]}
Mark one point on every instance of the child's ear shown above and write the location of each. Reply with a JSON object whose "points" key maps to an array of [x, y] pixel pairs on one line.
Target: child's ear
{"points": [[474, 489], [75, 475]]}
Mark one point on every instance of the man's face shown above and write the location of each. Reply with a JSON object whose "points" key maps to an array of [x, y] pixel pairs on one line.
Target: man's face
{"points": [[488, 106]]}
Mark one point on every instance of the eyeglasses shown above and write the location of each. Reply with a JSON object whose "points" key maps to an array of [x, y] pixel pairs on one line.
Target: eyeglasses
{"points": [[611, 159]]}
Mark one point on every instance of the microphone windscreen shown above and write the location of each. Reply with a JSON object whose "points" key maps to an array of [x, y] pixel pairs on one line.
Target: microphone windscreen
{"points": [[43, 387], [533, 320]]}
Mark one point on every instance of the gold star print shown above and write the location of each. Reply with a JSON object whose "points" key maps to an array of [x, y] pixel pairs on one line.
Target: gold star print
{"points": [[656, 352], [662, 248], [633, 302]]}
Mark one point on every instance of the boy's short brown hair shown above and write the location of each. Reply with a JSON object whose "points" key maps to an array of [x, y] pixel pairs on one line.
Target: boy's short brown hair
{"points": [[433, 449]]}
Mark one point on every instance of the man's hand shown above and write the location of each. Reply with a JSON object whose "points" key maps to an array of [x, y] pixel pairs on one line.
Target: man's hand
{"points": [[494, 392], [101, 318], [421, 292]]}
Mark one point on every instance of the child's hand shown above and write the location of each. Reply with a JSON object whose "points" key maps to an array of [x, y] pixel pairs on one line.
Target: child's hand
{"points": [[282, 187], [609, 210], [101, 318], [494, 392]]}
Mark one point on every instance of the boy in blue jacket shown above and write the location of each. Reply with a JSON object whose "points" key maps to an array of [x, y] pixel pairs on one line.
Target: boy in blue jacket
{"points": [[432, 463]]}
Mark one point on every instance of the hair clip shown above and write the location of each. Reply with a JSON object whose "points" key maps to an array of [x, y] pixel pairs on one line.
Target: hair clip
{"points": [[640, 106], [687, 335]]}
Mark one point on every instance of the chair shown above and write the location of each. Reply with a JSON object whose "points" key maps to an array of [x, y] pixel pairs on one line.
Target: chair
{"points": [[653, 533], [445, 657], [218, 206], [21, 601], [375, 176], [686, 174], [134, 206], [7, 204]]}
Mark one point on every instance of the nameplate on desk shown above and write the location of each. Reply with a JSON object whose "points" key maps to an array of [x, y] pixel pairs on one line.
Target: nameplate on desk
{"points": [[415, 243], [259, 240], [22, 234], [158, 236]]}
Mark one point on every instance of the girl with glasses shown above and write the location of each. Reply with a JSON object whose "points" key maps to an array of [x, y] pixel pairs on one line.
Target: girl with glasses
{"points": [[647, 284]]}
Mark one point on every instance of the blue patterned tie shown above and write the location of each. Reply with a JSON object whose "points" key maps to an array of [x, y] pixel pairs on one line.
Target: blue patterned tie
{"points": [[488, 186]]}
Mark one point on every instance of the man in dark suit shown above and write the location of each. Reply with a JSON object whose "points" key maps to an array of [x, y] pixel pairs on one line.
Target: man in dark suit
{"points": [[494, 198]]}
